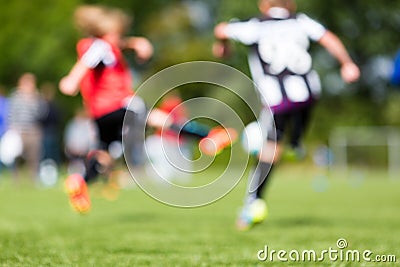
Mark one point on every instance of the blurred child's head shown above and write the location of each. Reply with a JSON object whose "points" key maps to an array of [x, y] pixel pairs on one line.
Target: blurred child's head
{"points": [[97, 20], [27, 82], [265, 5]]}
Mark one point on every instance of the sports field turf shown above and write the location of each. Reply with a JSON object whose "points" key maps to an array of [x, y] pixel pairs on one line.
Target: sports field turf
{"points": [[38, 228]]}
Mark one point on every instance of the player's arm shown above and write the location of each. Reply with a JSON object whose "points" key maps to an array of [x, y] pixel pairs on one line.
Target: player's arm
{"points": [[220, 31], [247, 33], [142, 47], [349, 70], [69, 85], [221, 48], [92, 55]]}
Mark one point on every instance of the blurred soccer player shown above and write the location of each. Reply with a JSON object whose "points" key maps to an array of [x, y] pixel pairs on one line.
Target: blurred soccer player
{"points": [[166, 146], [281, 67], [105, 83], [25, 111]]}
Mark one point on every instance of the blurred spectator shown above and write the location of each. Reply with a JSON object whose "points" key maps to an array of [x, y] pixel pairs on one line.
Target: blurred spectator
{"points": [[3, 111], [50, 122], [3, 115], [24, 115], [395, 79], [50, 150]]}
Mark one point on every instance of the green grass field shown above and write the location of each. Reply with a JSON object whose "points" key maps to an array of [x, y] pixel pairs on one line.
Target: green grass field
{"points": [[38, 228]]}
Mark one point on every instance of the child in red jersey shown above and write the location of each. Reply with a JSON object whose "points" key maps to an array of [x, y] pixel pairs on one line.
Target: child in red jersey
{"points": [[102, 76], [101, 72]]}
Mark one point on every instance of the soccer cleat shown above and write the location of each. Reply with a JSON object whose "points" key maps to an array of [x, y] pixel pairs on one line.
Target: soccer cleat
{"points": [[217, 140], [78, 193], [294, 154], [252, 214]]}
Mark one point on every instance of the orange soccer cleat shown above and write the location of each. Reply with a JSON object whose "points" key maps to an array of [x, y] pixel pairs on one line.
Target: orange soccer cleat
{"points": [[217, 140], [78, 193]]}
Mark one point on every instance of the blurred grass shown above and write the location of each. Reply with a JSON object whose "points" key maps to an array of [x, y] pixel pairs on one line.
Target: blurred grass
{"points": [[38, 228]]}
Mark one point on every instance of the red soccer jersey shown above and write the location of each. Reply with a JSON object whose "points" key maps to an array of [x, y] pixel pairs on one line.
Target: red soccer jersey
{"points": [[108, 83]]}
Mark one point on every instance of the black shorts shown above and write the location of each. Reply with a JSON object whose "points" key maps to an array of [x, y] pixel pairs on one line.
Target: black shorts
{"points": [[297, 120], [111, 127]]}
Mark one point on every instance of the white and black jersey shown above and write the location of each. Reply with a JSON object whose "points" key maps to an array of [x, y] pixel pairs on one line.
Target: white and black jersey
{"points": [[280, 63]]}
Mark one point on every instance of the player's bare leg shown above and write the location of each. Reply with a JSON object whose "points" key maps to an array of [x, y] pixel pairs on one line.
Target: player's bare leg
{"points": [[255, 209]]}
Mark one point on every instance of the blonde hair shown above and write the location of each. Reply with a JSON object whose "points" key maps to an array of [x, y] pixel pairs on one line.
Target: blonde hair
{"points": [[288, 4], [97, 20]]}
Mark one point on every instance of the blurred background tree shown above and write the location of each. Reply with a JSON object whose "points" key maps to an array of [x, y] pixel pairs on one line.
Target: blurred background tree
{"points": [[39, 36]]}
